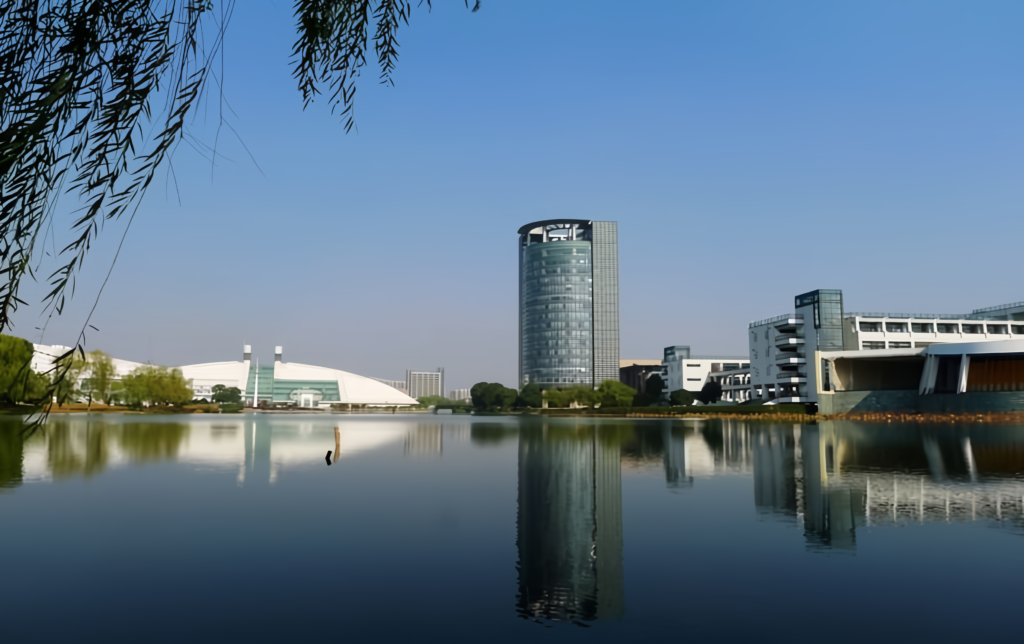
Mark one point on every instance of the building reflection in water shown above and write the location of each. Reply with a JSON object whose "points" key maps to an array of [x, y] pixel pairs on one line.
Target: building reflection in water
{"points": [[425, 440], [837, 477], [569, 523]]}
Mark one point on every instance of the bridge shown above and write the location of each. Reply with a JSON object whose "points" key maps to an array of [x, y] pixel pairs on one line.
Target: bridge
{"points": [[457, 408]]}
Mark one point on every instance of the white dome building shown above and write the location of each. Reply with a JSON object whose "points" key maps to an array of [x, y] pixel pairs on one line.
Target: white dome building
{"points": [[290, 383], [298, 384]]}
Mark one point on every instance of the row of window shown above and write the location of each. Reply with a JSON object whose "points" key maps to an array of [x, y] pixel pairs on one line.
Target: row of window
{"points": [[903, 327], [895, 345]]}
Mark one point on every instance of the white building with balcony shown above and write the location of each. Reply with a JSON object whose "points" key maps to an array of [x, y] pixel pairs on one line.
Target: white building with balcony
{"points": [[783, 365]]}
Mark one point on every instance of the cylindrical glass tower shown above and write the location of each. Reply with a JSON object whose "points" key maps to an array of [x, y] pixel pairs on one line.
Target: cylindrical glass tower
{"points": [[562, 343]]}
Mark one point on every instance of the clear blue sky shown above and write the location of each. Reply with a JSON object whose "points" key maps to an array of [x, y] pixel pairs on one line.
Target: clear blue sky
{"points": [[749, 150]]}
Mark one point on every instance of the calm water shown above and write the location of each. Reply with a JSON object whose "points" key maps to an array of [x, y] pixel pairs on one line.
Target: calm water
{"points": [[505, 529]]}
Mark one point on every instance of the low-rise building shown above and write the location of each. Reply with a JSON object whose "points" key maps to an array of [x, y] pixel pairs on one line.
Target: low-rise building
{"points": [[459, 395], [635, 373], [981, 376], [690, 372], [783, 349], [735, 384]]}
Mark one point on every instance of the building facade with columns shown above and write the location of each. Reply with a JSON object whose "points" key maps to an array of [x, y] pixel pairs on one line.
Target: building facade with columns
{"points": [[786, 351]]}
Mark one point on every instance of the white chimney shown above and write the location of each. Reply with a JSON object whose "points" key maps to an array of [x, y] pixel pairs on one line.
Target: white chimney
{"points": [[277, 354], [247, 352]]}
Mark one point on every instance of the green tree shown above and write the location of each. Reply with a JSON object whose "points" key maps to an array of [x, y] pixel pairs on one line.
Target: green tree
{"points": [[615, 394], [433, 401], [493, 396], [18, 383], [101, 376], [681, 398], [156, 385], [224, 394], [476, 394], [711, 392], [654, 386], [530, 396], [580, 395]]}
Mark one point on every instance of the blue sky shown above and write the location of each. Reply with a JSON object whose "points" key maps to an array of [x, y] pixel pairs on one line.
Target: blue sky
{"points": [[749, 150]]}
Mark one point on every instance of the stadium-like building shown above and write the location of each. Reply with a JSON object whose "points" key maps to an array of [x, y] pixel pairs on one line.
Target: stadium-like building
{"points": [[280, 383]]}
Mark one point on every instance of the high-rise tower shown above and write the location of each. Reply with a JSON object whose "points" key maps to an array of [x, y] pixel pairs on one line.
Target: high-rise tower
{"points": [[568, 303]]}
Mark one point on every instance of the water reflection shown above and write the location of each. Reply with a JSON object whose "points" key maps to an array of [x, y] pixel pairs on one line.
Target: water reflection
{"points": [[569, 524], [425, 440], [837, 477], [830, 480]]}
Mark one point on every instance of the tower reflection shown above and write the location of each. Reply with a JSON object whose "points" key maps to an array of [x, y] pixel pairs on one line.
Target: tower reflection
{"points": [[569, 523]]}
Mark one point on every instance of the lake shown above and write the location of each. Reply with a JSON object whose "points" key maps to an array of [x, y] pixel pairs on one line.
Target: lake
{"points": [[506, 528]]}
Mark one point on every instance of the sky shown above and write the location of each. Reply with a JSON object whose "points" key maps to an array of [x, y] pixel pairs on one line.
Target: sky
{"points": [[749, 151]]}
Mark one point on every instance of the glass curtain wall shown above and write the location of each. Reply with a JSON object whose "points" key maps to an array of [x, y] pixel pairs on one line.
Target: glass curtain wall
{"points": [[557, 314]]}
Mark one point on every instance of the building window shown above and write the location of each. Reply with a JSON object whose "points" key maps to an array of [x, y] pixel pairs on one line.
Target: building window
{"points": [[921, 328], [972, 328], [948, 328], [921, 345], [693, 365], [998, 329], [896, 327], [693, 379], [899, 345], [871, 327], [1017, 328], [874, 345]]}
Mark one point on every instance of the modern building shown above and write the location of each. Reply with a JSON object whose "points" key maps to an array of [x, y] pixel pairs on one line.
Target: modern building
{"points": [[691, 372], [459, 395], [983, 376], [783, 348], [735, 384], [568, 303], [281, 383], [397, 384], [635, 373], [424, 383]]}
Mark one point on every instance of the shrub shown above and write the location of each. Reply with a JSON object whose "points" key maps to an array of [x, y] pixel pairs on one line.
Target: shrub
{"points": [[681, 398]]}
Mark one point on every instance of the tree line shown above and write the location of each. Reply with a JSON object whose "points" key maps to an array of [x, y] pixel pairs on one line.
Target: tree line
{"points": [[92, 377], [492, 396]]}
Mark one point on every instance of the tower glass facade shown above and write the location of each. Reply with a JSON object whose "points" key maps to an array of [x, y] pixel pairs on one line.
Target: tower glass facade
{"points": [[568, 303]]}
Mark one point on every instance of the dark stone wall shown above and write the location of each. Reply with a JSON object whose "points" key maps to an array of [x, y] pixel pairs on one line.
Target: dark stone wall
{"points": [[973, 401], [841, 402]]}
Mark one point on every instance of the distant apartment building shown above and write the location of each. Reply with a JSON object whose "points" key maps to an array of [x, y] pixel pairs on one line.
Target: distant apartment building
{"points": [[783, 348], [459, 395], [682, 370], [397, 384], [635, 373], [425, 383]]}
